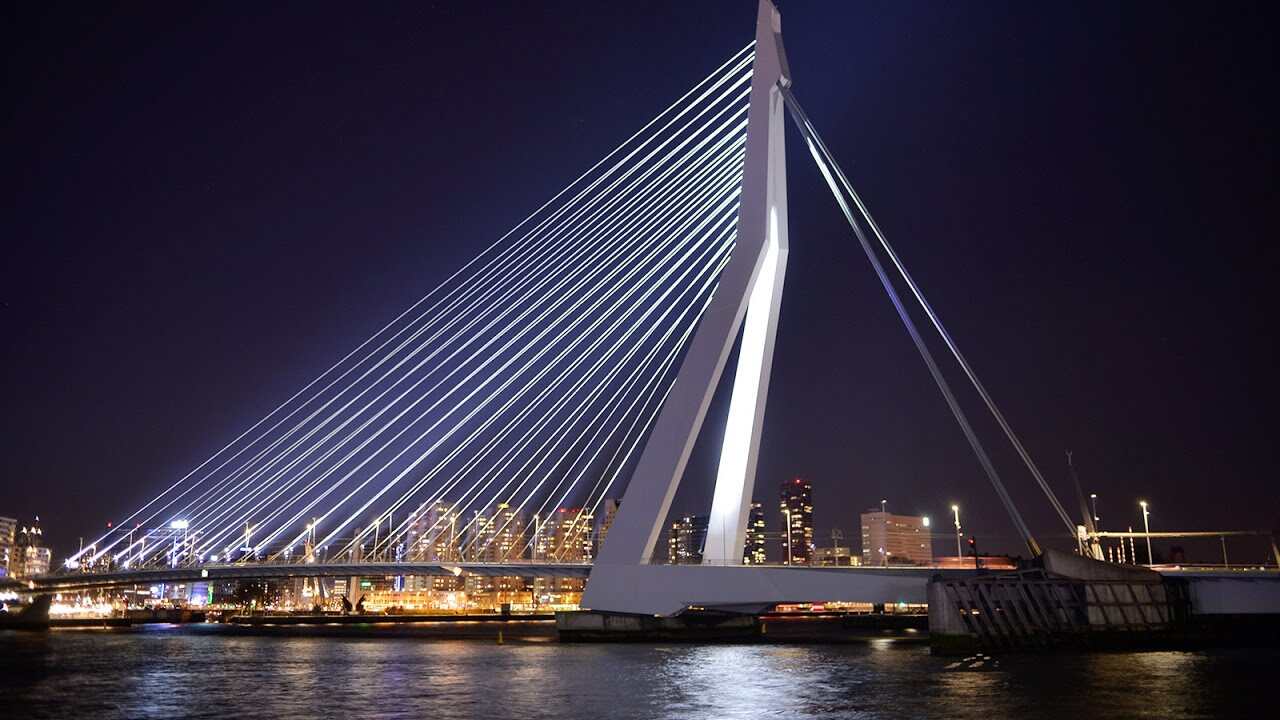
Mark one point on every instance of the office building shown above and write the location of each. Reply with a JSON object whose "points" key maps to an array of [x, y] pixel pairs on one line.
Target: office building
{"points": [[569, 540], [686, 540], [797, 521], [434, 537], [497, 536], [568, 536], [889, 539], [753, 551]]}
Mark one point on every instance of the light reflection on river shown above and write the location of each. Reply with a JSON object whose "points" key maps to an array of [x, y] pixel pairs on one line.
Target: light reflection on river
{"points": [[202, 671]]}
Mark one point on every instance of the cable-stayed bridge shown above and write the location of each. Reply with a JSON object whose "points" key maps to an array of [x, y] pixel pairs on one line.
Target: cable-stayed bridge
{"points": [[570, 363]]}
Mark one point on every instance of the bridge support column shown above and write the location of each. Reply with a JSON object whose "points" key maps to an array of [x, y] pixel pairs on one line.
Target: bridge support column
{"points": [[752, 278]]}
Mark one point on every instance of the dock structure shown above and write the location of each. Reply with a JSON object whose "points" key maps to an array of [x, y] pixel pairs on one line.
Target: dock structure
{"points": [[1073, 601]]}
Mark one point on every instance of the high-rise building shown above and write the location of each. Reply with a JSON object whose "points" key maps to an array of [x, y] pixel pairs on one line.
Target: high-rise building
{"points": [[797, 519], [686, 539], [569, 536], [503, 536], [498, 537], [27, 555], [606, 521], [889, 539], [36, 560], [434, 537], [753, 551], [8, 533], [434, 533]]}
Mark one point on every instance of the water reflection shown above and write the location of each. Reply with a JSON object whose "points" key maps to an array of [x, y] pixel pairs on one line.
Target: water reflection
{"points": [[204, 672]]}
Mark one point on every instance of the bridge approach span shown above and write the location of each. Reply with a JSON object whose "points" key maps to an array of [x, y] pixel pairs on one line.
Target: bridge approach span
{"points": [[73, 582]]}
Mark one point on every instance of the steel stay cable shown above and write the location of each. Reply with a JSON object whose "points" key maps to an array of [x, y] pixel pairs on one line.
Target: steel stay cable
{"points": [[454, 275], [599, 320], [542, 282], [472, 373], [803, 120]]}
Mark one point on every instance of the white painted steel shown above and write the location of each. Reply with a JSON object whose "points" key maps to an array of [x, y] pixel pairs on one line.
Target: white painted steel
{"points": [[623, 580]]}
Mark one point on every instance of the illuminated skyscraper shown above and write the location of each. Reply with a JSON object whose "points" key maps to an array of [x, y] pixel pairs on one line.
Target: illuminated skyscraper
{"points": [[570, 536], [753, 551], [28, 555], [797, 519], [496, 536], [569, 540], [504, 539], [434, 537], [433, 533], [684, 544]]}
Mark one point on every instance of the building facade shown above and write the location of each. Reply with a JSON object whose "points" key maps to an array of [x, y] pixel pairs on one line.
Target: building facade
{"points": [[753, 551], [497, 536], [837, 555], [797, 521], [8, 534], [889, 539], [27, 554], [609, 511], [569, 540], [686, 539], [434, 537]]}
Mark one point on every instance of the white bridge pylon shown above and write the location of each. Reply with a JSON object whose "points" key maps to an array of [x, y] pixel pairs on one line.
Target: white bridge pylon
{"points": [[750, 292]]}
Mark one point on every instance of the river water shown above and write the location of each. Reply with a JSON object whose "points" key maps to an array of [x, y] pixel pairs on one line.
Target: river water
{"points": [[206, 672]]}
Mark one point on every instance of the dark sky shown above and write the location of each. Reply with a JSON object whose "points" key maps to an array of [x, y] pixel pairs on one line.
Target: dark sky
{"points": [[205, 206]]}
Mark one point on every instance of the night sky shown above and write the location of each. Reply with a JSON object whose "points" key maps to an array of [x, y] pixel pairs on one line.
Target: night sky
{"points": [[206, 206]]}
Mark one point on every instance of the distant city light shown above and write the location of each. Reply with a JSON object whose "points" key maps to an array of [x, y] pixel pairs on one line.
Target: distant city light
{"points": [[179, 524], [925, 521]]}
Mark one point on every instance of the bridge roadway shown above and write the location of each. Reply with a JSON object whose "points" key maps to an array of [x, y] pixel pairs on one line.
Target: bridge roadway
{"points": [[1214, 590], [76, 581], [212, 572]]}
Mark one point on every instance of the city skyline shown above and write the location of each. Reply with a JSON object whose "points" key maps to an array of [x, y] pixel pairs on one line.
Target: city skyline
{"points": [[1064, 348], [624, 360]]}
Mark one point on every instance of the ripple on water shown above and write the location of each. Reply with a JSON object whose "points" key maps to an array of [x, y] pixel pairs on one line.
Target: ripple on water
{"points": [[203, 672]]}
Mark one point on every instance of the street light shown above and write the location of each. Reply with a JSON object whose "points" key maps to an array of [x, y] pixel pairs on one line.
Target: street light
{"points": [[1093, 497], [959, 550], [1146, 528]]}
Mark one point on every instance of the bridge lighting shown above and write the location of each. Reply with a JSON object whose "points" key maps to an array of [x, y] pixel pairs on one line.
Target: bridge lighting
{"points": [[179, 524], [925, 520], [1146, 528], [70, 564], [955, 509], [213, 558]]}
